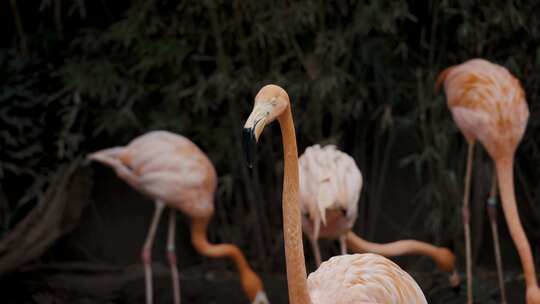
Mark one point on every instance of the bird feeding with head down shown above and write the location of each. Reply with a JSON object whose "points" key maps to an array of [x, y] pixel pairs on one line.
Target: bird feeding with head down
{"points": [[330, 187], [174, 172]]}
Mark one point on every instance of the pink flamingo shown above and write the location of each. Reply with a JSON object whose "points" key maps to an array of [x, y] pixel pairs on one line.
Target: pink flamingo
{"points": [[358, 278], [173, 171], [330, 187], [488, 104]]}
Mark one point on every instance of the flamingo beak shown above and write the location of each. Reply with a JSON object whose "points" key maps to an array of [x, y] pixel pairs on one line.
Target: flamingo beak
{"points": [[248, 144], [252, 130]]}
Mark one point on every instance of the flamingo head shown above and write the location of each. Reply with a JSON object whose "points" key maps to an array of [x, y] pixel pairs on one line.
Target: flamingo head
{"points": [[253, 286], [270, 103], [446, 260], [260, 298]]}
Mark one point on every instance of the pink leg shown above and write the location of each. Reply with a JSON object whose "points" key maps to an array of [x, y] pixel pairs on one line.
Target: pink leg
{"points": [[492, 212], [316, 251], [343, 244], [466, 222], [315, 242], [172, 256], [146, 254]]}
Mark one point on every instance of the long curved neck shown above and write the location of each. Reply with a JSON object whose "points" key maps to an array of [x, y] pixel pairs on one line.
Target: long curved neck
{"points": [[442, 256], [294, 250], [251, 283], [505, 175]]}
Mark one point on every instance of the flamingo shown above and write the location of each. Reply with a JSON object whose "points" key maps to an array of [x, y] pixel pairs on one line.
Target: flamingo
{"points": [[330, 186], [173, 171], [356, 278], [488, 104]]}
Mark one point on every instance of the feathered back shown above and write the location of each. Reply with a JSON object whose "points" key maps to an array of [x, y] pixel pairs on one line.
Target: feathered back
{"points": [[487, 103], [363, 278], [329, 179], [166, 167]]}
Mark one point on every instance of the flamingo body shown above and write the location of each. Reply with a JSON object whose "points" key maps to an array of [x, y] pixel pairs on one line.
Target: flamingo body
{"points": [[330, 185], [172, 169], [362, 278], [488, 104]]}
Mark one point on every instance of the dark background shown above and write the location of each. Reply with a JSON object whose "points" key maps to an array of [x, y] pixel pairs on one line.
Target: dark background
{"points": [[77, 76]]}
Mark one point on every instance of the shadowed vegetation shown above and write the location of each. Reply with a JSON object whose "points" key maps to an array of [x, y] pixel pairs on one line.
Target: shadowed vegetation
{"points": [[77, 76]]}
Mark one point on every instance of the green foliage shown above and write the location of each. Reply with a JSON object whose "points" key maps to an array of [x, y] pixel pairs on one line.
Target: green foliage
{"points": [[360, 75]]}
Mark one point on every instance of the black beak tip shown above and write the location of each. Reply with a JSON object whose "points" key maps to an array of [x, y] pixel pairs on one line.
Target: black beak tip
{"points": [[248, 144]]}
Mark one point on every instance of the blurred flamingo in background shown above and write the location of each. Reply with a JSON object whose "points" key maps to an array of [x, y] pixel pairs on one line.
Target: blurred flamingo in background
{"points": [[173, 171], [488, 104], [357, 278], [330, 187]]}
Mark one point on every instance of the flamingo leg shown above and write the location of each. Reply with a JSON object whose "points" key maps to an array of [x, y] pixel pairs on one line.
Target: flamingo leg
{"points": [[343, 244], [316, 251], [146, 254], [492, 212], [466, 222], [171, 255], [315, 242]]}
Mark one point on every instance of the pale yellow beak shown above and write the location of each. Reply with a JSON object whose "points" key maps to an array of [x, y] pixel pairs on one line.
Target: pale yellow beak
{"points": [[253, 128], [257, 119]]}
